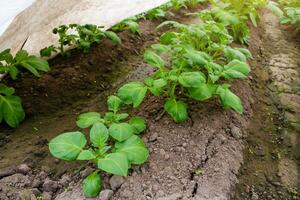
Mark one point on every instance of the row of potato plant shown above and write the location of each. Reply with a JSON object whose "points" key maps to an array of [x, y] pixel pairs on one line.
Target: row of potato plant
{"points": [[114, 142], [192, 62]]}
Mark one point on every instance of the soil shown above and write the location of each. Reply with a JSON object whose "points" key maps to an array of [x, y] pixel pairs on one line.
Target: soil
{"points": [[199, 159]]}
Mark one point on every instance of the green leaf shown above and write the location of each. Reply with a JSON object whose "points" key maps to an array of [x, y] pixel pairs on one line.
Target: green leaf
{"points": [[11, 109], [21, 55], [86, 155], [167, 38], [134, 148], [86, 120], [67, 146], [114, 103], [191, 79], [196, 57], [232, 54], [92, 185], [113, 37], [133, 26], [200, 93], [138, 124], [236, 69], [34, 64], [177, 110], [157, 86], [114, 163], [229, 99], [160, 48], [121, 116], [153, 59], [13, 72], [99, 134], [6, 56], [6, 90], [120, 131], [132, 93], [246, 52]]}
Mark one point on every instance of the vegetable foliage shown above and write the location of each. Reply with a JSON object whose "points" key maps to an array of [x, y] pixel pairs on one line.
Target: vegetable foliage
{"points": [[115, 144], [11, 110], [82, 36]]}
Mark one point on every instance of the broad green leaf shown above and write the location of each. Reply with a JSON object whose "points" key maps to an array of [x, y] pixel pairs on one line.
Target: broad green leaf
{"points": [[236, 69], [246, 52], [191, 79], [13, 72], [132, 93], [21, 55], [67, 146], [6, 56], [138, 124], [113, 37], [86, 155], [229, 99], [99, 134], [196, 57], [133, 26], [121, 116], [120, 131], [34, 64], [92, 185], [167, 38], [157, 86], [114, 103], [153, 59], [11, 109], [160, 48], [177, 110], [234, 54], [6, 90], [200, 93], [114, 163], [134, 148], [86, 120]]}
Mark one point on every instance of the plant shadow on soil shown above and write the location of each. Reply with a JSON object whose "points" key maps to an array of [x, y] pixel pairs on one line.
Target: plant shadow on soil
{"points": [[199, 159]]}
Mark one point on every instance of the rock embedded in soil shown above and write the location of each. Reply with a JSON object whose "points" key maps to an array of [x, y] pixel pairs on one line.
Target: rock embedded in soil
{"points": [[47, 195], [16, 180], [105, 194], [50, 186], [7, 171], [24, 169], [116, 182], [236, 132]]}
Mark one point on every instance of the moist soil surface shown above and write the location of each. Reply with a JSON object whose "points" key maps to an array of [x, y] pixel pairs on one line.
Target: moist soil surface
{"points": [[202, 158]]}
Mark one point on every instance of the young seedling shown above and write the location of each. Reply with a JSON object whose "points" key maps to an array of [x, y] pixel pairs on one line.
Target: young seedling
{"points": [[199, 58], [130, 23], [11, 110], [82, 36], [115, 144]]}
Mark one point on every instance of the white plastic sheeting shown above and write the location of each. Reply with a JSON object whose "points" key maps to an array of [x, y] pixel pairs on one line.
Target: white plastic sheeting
{"points": [[32, 28], [9, 9]]}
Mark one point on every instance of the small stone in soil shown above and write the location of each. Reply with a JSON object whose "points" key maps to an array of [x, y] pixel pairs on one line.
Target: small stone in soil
{"points": [[47, 196], [116, 182], [24, 169], [50, 186], [236, 132], [105, 194]]}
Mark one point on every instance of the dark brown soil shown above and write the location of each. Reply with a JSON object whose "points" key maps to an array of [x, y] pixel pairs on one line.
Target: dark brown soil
{"points": [[199, 159]]}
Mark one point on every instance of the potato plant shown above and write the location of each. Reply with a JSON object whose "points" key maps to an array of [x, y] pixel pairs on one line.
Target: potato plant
{"points": [[11, 110], [200, 58], [130, 23], [82, 36], [114, 144], [236, 24]]}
